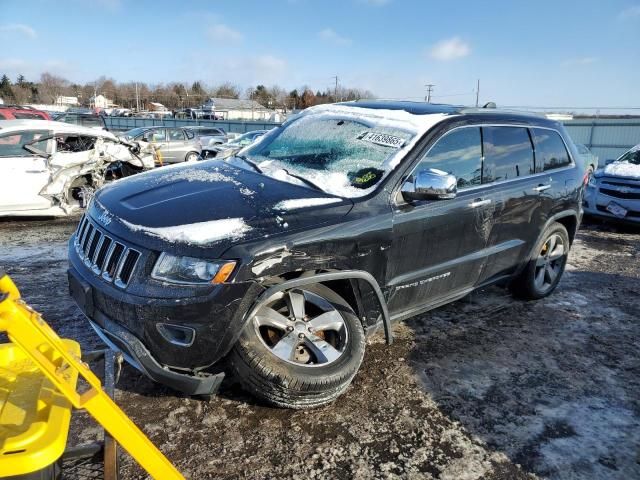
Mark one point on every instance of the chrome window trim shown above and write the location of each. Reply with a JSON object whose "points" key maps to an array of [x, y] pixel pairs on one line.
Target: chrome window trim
{"points": [[501, 182]]}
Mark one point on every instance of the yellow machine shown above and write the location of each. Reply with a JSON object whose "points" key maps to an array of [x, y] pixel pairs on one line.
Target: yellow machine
{"points": [[39, 374]]}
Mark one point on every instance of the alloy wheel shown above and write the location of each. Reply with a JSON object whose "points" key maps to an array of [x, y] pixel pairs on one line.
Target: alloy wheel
{"points": [[302, 328], [549, 263]]}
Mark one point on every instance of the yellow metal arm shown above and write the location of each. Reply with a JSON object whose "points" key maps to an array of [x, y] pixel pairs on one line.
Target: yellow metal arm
{"points": [[34, 336]]}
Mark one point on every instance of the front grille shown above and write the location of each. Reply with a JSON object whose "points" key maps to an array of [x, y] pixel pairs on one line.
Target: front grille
{"points": [[106, 257], [626, 194]]}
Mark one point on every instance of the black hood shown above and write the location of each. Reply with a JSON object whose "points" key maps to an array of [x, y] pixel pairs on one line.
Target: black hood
{"points": [[206, 192]]}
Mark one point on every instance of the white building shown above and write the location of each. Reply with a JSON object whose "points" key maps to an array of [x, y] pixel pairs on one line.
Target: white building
{"points": [[100, 101], [63, 101], [235, 109]]}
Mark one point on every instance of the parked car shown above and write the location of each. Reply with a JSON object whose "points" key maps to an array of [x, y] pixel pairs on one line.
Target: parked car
{"points": [[52, 168], [210, 135], [89, 120], [613, 192], [17, 112], [340, 221], [174, 144], [233, 146], [589, 159]]}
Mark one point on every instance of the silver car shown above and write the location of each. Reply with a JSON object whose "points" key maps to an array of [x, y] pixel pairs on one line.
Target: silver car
{"points": [[613, 192], [210, 135], [174, 144], [232, 147]]}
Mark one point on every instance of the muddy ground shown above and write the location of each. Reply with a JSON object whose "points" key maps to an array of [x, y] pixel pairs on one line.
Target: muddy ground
{"points": [[487, 387]]}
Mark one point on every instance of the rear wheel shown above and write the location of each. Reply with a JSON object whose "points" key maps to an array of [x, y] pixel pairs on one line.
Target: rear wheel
{"points": [[543, 272], [301, 349]]}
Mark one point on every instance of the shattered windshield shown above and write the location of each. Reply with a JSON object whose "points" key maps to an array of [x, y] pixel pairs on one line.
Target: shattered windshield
{"points": [[342, 156]]}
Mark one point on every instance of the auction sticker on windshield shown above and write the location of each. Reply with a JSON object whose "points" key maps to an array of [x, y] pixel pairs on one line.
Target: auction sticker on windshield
{"points": [[383, 139]]}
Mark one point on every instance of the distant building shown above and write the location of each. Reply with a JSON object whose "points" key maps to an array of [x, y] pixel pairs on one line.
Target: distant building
{"points": [[156, 107], [235, 109], [100, 101], [62, 101]]}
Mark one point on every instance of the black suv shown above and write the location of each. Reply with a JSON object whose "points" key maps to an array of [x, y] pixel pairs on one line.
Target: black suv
{"points": [[346, 218]]}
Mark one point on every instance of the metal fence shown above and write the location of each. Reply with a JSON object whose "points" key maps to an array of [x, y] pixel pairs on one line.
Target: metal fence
{"points": [[120, 124], [606, 137]]}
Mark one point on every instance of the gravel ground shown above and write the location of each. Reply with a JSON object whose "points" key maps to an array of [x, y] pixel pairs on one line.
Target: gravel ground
{"points": [[487, 387]]}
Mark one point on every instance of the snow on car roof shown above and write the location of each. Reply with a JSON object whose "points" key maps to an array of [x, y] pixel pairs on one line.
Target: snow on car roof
{"points": [[7, 126]]}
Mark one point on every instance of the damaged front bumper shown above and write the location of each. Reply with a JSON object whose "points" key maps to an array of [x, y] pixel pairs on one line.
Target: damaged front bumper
{"points": [[613, 198]]}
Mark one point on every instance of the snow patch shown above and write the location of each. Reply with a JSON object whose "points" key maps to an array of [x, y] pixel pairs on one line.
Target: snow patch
{"points": [[296, 203], [623, 169], [198, 175], [200, 233]]}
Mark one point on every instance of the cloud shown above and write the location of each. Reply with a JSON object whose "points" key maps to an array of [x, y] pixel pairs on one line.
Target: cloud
{"points": [[331, 36], [450, 49], [268, 63], [32, 70], [631, 12], [375, 3], [220, 31], [580, 61], [19, 28]]}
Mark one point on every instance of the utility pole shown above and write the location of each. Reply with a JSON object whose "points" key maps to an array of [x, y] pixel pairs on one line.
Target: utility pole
{"points": [[137, 99], [429, 90], [477, 92], [335, 90]]}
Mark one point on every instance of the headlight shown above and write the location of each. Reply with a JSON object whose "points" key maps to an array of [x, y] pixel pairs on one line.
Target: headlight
{"points": [[173, 269]]}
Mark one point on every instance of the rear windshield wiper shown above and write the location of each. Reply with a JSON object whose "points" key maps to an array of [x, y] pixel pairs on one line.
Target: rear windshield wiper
{"points": [[303, 180], [253, 164]]}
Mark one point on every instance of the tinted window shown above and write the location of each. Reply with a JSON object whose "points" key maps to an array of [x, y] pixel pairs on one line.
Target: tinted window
{"points": [[12, 144], [508, 153], [458, 153], [550, 150], [26, 115], [155, 135], [2, 117], [175, 134]]}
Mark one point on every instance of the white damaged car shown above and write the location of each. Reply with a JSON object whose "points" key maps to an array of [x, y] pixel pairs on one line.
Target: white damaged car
{"points": [[53, 168], [613, 192]]}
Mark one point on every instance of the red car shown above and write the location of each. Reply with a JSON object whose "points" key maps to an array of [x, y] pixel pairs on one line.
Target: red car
{"points": [[17, 112]]}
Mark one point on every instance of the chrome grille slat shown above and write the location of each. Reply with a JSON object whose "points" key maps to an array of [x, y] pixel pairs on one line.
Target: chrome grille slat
{"points": [[113, 261]]}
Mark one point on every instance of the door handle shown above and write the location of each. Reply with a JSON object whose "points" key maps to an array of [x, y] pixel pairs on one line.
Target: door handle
{"points": [[479, 203], [541, 188]]}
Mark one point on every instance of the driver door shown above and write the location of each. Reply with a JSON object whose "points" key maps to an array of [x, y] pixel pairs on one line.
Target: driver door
{"points": [[438, 246], [23, 174]]}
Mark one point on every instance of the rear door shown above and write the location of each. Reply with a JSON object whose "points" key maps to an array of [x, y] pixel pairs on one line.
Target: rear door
{"points": [[438, 246], [517, 211], [177, 146], [22, 174]]}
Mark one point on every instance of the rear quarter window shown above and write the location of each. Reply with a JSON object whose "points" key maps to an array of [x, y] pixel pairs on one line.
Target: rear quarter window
{"points": [[551, 152], [508, 153]]}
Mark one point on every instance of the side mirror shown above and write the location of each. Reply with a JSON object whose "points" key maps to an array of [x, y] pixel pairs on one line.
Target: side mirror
{"points": [[430, 185]]}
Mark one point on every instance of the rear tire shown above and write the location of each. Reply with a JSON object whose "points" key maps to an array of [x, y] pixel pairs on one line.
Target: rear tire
{"points": [[290, 371], [543, 272]]}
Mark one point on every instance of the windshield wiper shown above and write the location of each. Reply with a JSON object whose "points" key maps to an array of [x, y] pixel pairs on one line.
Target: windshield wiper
{"points": [[249, 162], [303, 180]]}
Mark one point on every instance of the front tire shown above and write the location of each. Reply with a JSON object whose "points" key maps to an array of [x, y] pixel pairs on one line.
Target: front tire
{"points": [[191, 157], [543, 272], [301, 349]]}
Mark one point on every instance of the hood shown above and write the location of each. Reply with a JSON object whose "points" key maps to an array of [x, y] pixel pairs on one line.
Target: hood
{"points": [[209, 205]]}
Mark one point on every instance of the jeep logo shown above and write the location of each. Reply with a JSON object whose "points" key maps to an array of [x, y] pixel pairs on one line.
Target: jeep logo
{"points": [[104, 218]]}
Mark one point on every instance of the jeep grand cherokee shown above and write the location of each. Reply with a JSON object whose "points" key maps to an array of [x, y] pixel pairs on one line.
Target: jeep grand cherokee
{"points": [[346, 218]]}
